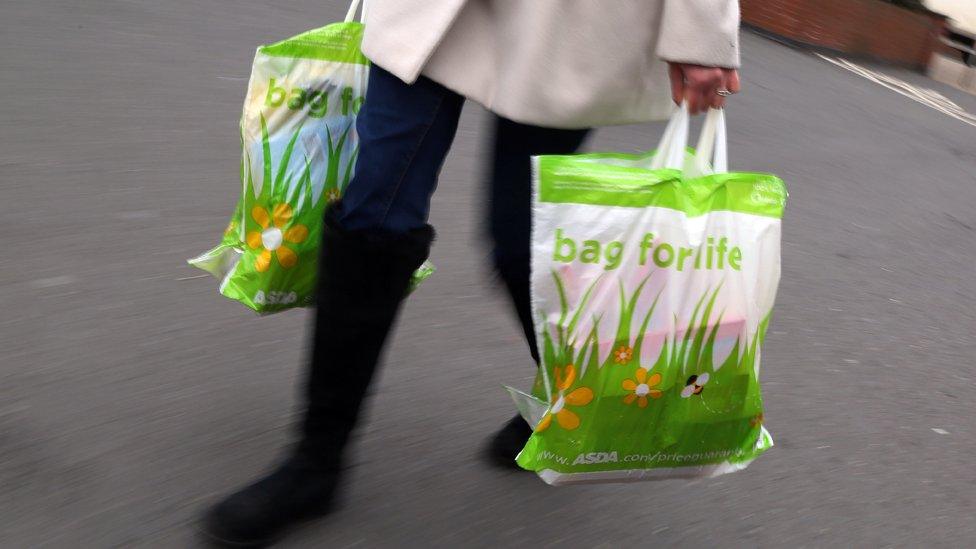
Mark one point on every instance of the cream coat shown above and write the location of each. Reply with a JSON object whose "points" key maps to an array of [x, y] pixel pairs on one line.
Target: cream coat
{"points": [[554, 63]]}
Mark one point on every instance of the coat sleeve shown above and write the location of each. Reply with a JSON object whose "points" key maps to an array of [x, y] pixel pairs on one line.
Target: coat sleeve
{"points": [[703, 32]]}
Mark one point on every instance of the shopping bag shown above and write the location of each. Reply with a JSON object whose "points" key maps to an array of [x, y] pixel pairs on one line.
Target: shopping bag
{"points": [[653, 281], [299, 143]]}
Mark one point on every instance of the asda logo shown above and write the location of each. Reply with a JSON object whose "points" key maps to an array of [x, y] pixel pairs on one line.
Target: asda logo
{"points": [[317, 102], [275, 298], [596, 457]]}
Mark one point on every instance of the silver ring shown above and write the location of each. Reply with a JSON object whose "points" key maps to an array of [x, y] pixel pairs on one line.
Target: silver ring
{"points": [[724, 93]]}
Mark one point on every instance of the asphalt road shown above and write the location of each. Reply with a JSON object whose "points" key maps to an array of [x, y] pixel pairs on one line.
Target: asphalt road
{"points": [[132, 395]]}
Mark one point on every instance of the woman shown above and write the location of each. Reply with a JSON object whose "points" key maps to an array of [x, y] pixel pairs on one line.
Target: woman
{"points": [[549, 70]]}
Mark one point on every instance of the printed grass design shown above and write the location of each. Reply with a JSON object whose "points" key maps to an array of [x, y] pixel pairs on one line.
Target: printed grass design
{"points": [[686, 352], [694, 353], [334, 186], [278, 193], [276, 185], [564, 347]]}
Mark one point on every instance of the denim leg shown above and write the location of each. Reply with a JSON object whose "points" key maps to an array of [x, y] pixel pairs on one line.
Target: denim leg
{"points": [[405, 131], [510, 213]]}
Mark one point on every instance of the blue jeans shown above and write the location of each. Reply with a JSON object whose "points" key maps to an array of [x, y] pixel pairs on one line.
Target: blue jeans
{"points": [[405, 132]]}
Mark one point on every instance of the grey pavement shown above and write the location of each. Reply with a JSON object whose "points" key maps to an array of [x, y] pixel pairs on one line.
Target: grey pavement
{"points": [[132, 395]]}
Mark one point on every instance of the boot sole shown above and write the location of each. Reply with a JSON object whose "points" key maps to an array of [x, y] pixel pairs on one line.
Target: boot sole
{"points": [[206, 529]]}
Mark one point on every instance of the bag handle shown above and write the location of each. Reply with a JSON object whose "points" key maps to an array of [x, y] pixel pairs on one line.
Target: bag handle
{"points": [[712, 143], [353, 8], [671, 148]]}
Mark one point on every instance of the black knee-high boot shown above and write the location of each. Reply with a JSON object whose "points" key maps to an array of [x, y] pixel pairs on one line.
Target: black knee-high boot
{"points": [[508, 441], [516, 274], [363, 277]]}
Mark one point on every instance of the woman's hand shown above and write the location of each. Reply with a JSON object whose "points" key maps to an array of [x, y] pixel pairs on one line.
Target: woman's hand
{"points": [[700, 86]]}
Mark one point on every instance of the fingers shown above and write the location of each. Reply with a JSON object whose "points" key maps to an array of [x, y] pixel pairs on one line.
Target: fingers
{"points": [[730, 84], [700, 86], [677, 82], [716, 101], [711, 96], [732, 80], [696, 101]]}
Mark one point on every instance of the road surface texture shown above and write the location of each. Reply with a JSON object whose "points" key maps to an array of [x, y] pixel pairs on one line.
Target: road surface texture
{"points": [[132, 395]]}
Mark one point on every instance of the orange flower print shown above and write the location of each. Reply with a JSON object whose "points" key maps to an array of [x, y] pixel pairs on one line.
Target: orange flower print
{"points": [[641, 388], [623, 354], [566, 418], [276, 230]]}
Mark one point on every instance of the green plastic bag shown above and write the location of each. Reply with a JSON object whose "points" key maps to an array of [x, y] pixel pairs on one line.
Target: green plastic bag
{"points": [[299, 141], [653, 280]]}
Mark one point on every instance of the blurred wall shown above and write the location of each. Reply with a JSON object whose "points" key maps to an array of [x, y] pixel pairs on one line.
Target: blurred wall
{"points": [[866, 28]]}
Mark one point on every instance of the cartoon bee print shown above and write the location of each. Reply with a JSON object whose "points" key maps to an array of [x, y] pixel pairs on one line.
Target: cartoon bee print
{"points": [[695, 385]]}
